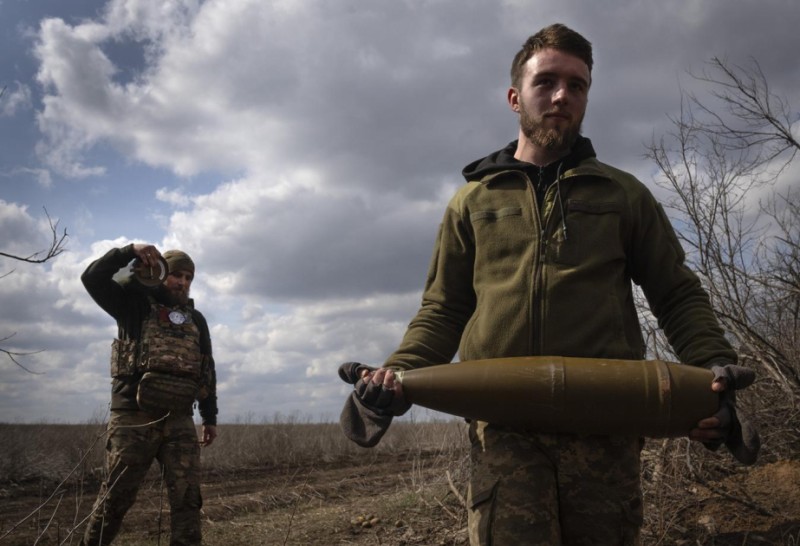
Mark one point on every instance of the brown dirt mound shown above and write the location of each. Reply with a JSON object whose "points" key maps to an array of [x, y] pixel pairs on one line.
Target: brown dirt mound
{"points": [[757, 506]]}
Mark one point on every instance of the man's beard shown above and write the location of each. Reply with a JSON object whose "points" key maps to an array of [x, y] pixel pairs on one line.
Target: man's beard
{"points": [[173, 297], [545, 137]]}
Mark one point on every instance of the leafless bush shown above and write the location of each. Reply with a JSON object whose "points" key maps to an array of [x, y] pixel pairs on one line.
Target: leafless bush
{"points": [[723, 151]]}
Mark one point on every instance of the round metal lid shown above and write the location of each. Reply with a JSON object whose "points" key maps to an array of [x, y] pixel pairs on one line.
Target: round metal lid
{"points": [[150, 276]]}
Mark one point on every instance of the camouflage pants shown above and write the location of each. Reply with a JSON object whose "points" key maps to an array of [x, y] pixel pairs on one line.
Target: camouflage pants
{"points": [[541, 489], [134, 440]]}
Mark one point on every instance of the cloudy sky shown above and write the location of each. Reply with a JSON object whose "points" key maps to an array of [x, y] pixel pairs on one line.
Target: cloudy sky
{"points": [[302, 151]]}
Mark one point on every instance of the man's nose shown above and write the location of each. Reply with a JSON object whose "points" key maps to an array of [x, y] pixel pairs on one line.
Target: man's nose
{"points": [[560, 93]]}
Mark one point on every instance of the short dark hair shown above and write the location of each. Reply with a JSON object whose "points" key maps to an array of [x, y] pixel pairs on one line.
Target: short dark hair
{"points": [[555, 36]]}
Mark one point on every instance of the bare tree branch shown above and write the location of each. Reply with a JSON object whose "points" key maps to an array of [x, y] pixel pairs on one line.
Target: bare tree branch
{"points": [[14, 354], [753, 119], [722, 149], [57, 246]]}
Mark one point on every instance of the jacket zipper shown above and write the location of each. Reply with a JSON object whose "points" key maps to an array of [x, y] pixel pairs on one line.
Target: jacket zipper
{"points": [[539, 301], [535, 314]]}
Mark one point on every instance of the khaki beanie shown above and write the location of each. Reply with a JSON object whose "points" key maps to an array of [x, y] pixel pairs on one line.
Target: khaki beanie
{"points": [[177, 260]]}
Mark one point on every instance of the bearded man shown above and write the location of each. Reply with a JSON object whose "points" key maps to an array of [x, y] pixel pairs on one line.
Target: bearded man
{"points": [[161, 364], [537, 254]]}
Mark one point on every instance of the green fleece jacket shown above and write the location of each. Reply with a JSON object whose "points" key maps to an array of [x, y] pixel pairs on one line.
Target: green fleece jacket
{"points": [[129, 304], [514, 274]]}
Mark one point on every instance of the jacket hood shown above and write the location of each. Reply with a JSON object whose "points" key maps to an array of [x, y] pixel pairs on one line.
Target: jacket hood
{"points": [[503, 160]]}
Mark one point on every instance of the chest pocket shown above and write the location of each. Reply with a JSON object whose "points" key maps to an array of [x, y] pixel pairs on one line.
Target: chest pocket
{"points": [[593, 236], [499, 234], [171, 342], [494, 215]]}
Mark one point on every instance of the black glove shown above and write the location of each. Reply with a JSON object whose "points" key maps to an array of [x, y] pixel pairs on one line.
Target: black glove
{"points": [[740, 437], [369, 409], [374, 396], [736, 377]]}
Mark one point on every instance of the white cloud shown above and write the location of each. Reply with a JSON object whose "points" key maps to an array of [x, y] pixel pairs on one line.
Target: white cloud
{"points": [[228, 86], [174, 197], [42, 176], [198, 103], [14, 100], [299, 237], [149, 20]]}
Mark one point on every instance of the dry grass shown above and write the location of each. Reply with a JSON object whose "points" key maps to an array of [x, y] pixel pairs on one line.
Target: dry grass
{"points": [[49, 453], [43, 465], [677, 476]]}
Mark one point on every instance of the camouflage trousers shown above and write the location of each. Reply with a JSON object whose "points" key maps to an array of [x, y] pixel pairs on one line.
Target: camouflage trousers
{"points": [[531, 489], [134, 440]]}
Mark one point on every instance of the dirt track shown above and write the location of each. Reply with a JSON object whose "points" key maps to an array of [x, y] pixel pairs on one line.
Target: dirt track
{"points": [[313, 505], [409, 501]]}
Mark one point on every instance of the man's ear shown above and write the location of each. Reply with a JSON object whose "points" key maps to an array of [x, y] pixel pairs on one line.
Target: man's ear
{"points": [[513, 99]]}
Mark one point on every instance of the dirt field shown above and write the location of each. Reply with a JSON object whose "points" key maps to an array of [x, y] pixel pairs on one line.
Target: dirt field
{"points": [[323, 504], [399, 498]]}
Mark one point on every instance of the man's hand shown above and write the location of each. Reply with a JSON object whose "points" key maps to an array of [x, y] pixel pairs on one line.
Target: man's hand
{"points": [[209, 433], [726, 427], [383, 376], [727, 379], [380, 389], [384, 379], [713, 429], [147, 254]]}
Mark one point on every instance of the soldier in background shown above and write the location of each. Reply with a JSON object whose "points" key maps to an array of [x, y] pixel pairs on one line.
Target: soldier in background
{"points": [[536, 255], [161, 363]]}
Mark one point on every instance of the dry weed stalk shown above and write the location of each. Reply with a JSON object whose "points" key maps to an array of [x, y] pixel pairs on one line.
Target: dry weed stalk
{"points": [[56, 491]]}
